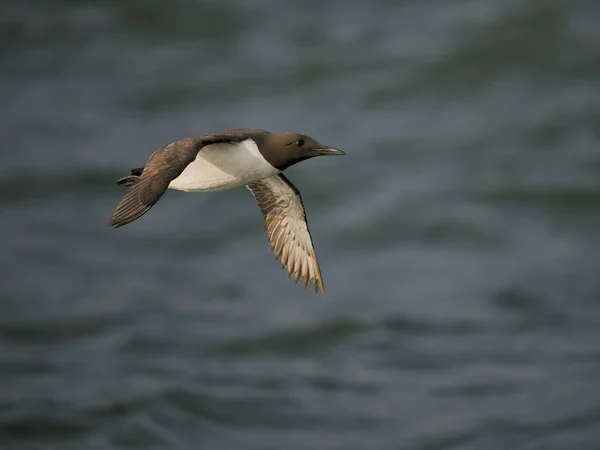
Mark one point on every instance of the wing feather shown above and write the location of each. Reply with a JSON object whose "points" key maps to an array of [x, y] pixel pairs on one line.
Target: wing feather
{"points": [[287, 228]]}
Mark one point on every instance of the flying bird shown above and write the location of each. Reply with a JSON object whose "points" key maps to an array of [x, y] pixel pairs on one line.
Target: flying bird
{"points": [[241, 157]]}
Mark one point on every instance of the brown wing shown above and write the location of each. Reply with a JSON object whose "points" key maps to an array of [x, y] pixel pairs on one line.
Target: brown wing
{"points": [[287, 229], [164, 166]]}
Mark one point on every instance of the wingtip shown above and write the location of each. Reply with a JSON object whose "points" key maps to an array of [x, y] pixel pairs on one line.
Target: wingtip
{"points": [[319, 284], [113, 224]]}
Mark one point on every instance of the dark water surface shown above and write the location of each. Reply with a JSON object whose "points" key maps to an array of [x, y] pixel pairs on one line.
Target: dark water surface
{"points": [[459, 239]]}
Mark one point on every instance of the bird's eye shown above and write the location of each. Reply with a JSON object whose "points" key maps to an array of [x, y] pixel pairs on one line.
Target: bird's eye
{"points": [[300, 143]]}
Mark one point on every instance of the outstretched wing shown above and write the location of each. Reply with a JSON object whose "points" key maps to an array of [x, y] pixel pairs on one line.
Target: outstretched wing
{"points": [[165, 164], [287, 228]]}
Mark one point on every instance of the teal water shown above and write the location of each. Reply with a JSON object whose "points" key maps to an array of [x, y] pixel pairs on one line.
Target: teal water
{"points": [[459, 238]]}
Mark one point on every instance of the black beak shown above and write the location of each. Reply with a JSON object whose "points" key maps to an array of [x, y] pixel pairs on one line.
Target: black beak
{"points": [[328, 151]]}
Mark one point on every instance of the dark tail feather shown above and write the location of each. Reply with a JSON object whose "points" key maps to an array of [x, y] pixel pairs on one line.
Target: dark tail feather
{"points": [[129, 180], [134, 177]]}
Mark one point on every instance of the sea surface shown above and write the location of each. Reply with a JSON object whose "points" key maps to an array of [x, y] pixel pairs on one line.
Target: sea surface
{"points": [[459, 238]]}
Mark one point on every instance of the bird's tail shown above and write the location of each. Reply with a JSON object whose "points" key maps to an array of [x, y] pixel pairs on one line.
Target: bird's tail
{"points": [[131, 179]]}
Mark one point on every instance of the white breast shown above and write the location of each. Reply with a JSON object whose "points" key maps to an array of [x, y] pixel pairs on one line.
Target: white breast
{"points": [[224, 166]]}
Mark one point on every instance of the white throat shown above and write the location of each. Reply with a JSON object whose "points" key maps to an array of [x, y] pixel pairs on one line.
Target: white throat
{"points": [[224, 166]]}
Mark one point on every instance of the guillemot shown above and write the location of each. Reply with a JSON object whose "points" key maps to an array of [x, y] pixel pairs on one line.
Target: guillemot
{"points": [[241, 157]]}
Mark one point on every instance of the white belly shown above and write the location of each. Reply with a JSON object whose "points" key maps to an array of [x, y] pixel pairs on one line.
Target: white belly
{"points": [[224, 166]]}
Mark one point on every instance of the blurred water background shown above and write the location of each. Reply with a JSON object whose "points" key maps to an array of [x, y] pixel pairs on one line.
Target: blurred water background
{"points": [[459, 238]]}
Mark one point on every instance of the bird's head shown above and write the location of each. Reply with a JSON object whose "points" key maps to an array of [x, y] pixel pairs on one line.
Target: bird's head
{"points": [[286, 149]]}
